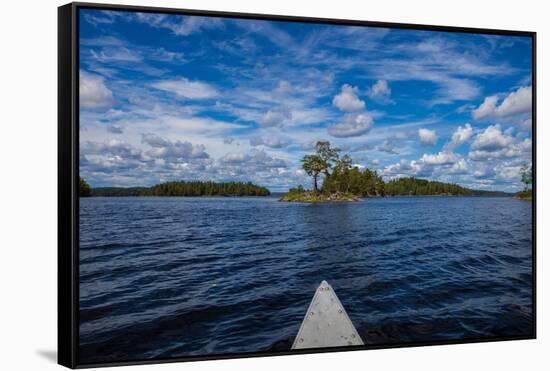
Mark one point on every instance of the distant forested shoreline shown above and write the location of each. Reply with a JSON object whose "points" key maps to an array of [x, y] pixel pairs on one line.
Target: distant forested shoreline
{"points": [[177, 189], [363, 184], [421, 187]]}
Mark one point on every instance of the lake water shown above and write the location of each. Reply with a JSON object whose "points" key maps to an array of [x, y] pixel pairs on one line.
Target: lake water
{"points": [[172, 277]]}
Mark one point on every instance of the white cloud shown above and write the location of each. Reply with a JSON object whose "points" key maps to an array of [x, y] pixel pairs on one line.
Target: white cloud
{"points": [[515, 103], [116, 54], [486, 109], [521, 150], [192, 24], [275, 117], [493, 143], [254, 161], [347, 100], [193, 125], [172, 151], [111, 148], [508, 171], [442, 163], [93, 91], [459, 167], [492, 139], [353, 125], [441, 158], [268, 142], [115, 129], [427, 137], [380, 91], [185, 26], [460, 136], [187, 89], [282, 89], [403, 168]]}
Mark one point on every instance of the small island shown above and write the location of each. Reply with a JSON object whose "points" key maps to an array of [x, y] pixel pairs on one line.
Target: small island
{"points": [[343, 182], [177, 189], [299, 194], [527, 180]]}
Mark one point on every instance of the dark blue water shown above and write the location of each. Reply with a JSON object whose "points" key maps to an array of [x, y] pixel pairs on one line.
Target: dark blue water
{"points": [[170, 277]]}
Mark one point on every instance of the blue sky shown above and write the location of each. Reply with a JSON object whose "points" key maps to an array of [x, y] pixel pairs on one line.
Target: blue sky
{"points": [[169, 97]]}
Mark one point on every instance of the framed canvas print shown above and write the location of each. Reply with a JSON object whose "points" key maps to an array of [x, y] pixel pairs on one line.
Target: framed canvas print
{"points": [[235, 185]]}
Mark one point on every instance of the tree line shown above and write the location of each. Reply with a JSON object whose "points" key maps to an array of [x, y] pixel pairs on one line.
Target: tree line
{"points": [[421, 187], [340, 176], [178, 188]]}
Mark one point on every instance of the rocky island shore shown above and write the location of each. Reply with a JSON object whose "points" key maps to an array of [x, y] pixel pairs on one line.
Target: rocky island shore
{"points": [[314, 197]]}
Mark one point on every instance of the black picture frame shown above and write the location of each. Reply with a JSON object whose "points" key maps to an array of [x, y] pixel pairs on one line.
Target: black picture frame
{"points": [[68, 176]]}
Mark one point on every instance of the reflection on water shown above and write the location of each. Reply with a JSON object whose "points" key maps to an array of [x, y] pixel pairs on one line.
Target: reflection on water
{"points": [[170, 277]]}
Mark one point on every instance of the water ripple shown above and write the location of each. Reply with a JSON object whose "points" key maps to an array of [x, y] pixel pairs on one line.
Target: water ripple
{"points": [[168, 277]]}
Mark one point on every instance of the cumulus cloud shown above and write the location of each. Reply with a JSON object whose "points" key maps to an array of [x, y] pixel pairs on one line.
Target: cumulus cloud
{"points": [[521, 149], [276, 117], [186, 88], [380, 91], [353, 125], [515, 103], [493, 143], [172, 151], [268, 142], [253, 161], [111, 148], [427, 137], [508, 170], [459, 167], [347, 100], [460, 136], [116, 162], [441, 158], [93, 92], [444, 162], [403, 168], [492, 139]]}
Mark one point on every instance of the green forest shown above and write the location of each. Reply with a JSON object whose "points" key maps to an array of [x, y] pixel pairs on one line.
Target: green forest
{"points": [[344, 182], [422, 187], [178, 188]]}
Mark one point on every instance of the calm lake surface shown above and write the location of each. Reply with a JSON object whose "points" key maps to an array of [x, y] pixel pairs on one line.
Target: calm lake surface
{"points": [[169, 277]]}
